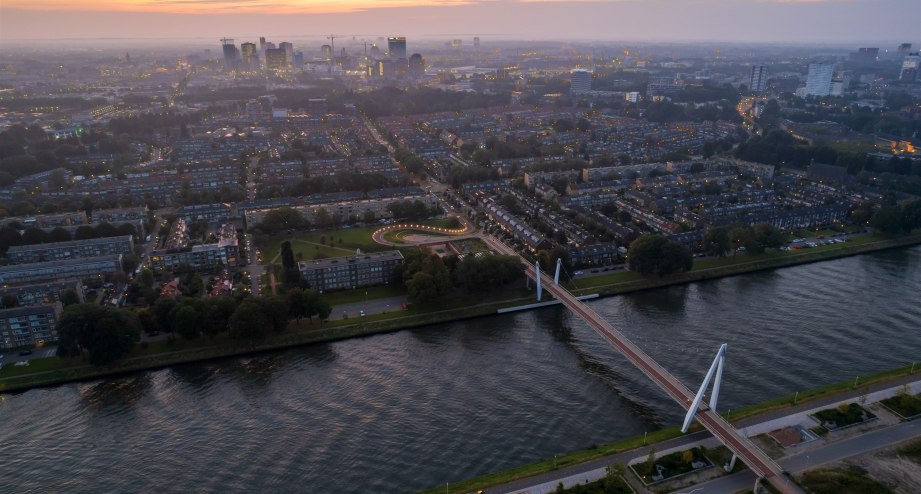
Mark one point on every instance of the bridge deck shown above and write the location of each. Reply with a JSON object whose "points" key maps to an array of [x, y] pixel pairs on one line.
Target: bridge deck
{"points": [[756, 459]]}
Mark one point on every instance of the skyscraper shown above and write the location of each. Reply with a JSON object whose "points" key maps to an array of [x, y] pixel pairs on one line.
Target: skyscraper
{"points": [[327, 52], [289, 51], [276, 59], [580, 81], [476, 41], [818, 81], [396, 47], [248, 51], [416, 65], [231, 54], [910, 66], [759, 78], [904, 49]]}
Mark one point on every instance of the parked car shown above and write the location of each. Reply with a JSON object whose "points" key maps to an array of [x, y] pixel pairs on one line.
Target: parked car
{"points": [[25, 352]]}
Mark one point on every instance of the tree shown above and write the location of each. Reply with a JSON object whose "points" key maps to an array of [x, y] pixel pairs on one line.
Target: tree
{"points": [[297, 303], [768, 236], [281, 219], [187, 322], [323, 308], [276, 311], [70, 297], [249, 322], [8, 238], [105, 229], [422, 288], [655, 254], [217, 312], [291, 275], [84, 232], [145, 278], [105, 333], [33, 236], [322, 218], [716, 242], [163, 312], [887, 220], [911, 216], [59, 235]]}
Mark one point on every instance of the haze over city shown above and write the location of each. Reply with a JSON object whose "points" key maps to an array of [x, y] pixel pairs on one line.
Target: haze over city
{"points": [[748, 21]]}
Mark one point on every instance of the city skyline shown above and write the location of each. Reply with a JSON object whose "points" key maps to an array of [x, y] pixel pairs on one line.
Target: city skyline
{"points": [[789, 22]]}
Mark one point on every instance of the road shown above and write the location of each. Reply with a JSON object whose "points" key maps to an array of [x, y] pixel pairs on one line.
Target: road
{"points": [[373, 306], [847, 448], [756, 459]]}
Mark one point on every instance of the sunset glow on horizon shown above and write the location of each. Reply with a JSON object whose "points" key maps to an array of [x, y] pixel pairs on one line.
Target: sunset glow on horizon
{"points": [[227, 6], [748, 21]]}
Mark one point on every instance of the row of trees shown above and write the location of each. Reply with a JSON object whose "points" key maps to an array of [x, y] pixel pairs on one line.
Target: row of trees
{"points": [[721, 241], [657, 255], [412, 210], [428, 277], [895, 219]]}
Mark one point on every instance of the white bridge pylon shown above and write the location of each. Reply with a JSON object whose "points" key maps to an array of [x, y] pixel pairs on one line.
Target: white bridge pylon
{"points": [[540, 289], [715, 367]]}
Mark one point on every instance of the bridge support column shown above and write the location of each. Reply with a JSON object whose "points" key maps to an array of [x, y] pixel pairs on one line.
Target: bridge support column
{"points": [[540, 289], [715, 367], [732, 463], [556, 276]]}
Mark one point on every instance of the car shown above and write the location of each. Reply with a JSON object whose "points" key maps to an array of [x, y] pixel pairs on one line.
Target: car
{"points": [[361, 313], [578, 273], [25, 352]]}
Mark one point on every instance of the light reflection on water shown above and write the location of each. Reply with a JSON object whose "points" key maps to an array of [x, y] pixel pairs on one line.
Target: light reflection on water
{"points": [[409, 410]]}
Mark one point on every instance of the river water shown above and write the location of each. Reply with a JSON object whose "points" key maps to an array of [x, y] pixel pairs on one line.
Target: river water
{"points": [[415, 409]]}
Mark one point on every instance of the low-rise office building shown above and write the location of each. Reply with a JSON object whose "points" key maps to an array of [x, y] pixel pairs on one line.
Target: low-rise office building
{"points": [[71, 249], [27, 326], [66, 269], [378, 268]]}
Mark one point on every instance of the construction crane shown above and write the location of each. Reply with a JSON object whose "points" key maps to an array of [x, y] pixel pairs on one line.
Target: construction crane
{"points": [[332, 51]]}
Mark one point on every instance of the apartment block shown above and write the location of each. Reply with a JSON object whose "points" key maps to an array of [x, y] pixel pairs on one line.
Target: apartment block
{"points": [[72, 249], [26, 326], [378, 268]]}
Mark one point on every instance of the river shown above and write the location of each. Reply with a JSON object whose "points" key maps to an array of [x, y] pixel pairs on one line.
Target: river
{"points": [[414, 409]]}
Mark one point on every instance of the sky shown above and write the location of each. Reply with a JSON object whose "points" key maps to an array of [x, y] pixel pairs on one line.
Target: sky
{"points": [[845, 22]]}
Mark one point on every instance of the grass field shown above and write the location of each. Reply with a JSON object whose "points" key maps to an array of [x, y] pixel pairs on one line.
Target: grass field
{"points": [[904, 404], [331, 243]]}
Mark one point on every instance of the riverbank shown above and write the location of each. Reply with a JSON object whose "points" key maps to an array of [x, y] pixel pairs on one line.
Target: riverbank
{"points": [[53, 371], [663, 439]]}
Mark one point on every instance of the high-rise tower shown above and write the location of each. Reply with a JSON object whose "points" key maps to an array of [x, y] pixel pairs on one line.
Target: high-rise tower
{"points": [[758, 79], [396, 47]]}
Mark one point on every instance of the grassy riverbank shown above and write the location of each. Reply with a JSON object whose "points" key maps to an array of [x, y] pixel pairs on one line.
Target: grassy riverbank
{"points": [[51, 371], [595, 452], [621, 282]]}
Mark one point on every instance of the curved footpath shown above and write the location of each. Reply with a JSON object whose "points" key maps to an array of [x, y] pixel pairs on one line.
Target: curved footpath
{"points": [[441, 233]]}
